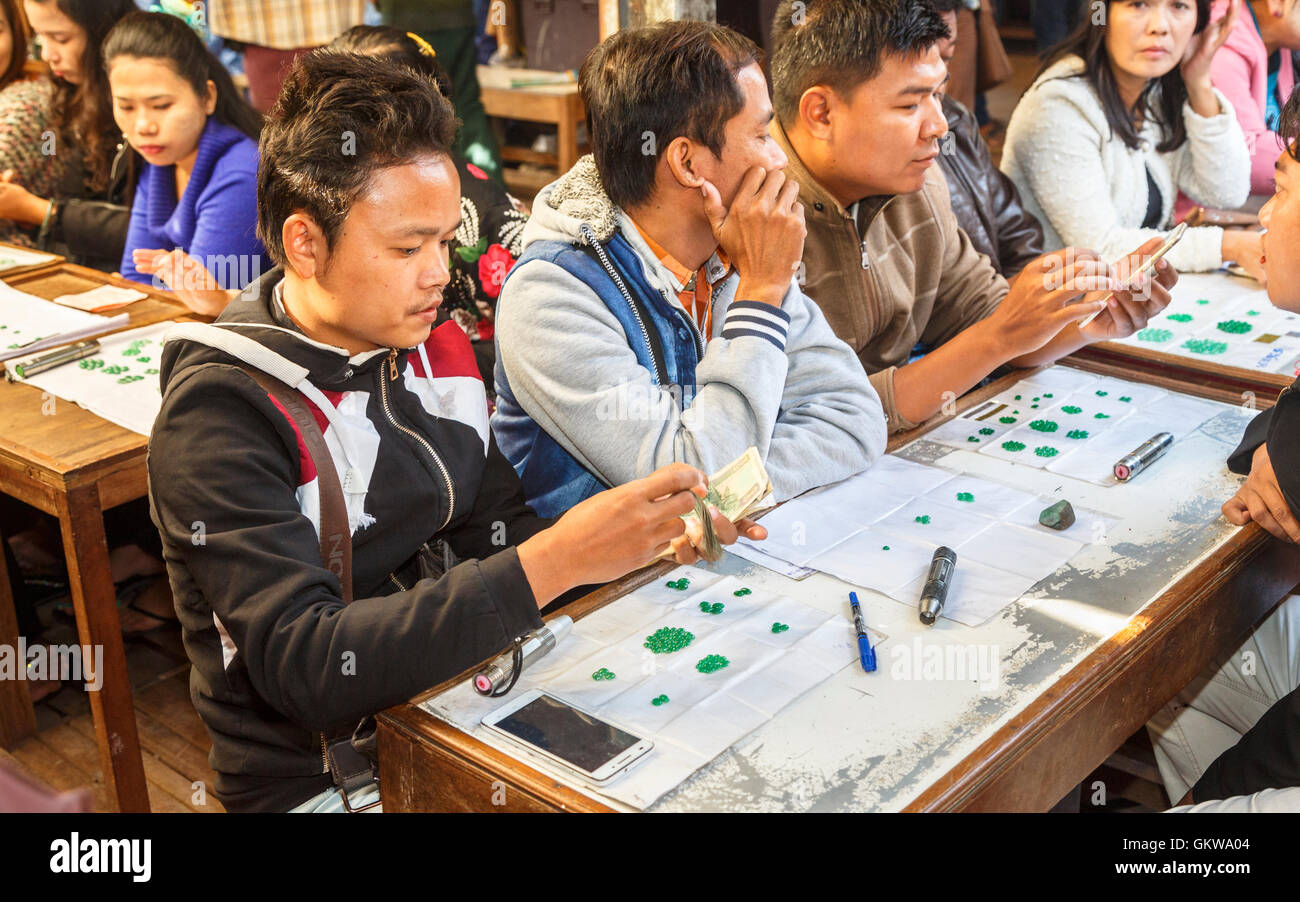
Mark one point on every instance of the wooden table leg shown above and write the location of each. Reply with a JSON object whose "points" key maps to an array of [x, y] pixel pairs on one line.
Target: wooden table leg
{"points": [[567, 140], [81, 520], [17, 719]]}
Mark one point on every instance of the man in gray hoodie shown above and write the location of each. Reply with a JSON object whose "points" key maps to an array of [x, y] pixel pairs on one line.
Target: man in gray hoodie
{"points": [[655, 315]]}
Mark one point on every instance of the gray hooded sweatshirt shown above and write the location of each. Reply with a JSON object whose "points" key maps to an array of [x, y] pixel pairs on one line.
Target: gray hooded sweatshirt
{"points": [[793, 390]]}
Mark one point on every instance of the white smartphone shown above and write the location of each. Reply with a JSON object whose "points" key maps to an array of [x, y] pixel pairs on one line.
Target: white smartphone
{"points": [[1147, 265], [580, 742]]}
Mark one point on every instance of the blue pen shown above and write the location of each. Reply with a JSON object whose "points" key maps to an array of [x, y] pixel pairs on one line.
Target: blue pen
{"points": [[865, 651]]}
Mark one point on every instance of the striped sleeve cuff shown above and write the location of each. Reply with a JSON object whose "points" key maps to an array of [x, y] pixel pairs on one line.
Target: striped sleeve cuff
{"points": [[757, 319]]}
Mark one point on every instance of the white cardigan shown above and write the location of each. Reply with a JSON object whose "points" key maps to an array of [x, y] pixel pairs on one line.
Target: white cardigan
{"points": [[1089, 189]]}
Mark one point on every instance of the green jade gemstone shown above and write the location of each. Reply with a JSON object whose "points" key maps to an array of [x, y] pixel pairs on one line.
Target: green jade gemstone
{"points": [[659, 700], [711, 663], [1046, 451], [602, 675], [742, 592], [668, 639], [1013, 446], [986, 431], [1070, 408], [924, 519], [1181, 317], [1077, 434], [780, 627], [1006, 419], [1043, 425], [965, 496]]}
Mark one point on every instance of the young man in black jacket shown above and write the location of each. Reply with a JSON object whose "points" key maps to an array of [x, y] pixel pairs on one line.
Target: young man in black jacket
{"points": [[358, 204], [1242, 716]]}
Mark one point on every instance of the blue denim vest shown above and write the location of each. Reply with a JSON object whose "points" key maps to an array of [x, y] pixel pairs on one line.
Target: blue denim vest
{"points": [[657, 331]]}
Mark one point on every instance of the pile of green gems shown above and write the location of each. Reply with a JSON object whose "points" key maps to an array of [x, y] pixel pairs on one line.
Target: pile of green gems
{"points": [[1046, 451], [1070, 408], [1205, 346], [1006, 419], [1234, 326], [972, 438], [1102, 394], [923, 519], [1043, 425], [659, 700], [668, 639], [740, 593], [715, 608], [1155, 335], [711, 663], [1077, 433], [680, 585], [1181, 317], [780, 627], [1101, 416], [96, 363], [965, 496], [602, 674], [1013, 446], [986, 431]]}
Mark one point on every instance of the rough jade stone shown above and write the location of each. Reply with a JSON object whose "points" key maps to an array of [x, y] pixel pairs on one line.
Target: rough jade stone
{"points": [[1059, 516]]}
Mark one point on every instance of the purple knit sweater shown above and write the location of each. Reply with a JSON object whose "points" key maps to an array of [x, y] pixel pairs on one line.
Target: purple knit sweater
{"points": [[215, 220]]}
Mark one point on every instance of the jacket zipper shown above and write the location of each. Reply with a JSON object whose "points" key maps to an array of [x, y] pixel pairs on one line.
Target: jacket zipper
{"points": [[695, 329], [324, 755], [388, 412], [595, 245]]}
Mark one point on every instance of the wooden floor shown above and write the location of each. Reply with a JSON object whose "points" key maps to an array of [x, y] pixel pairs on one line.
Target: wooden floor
{"points": [[173, 740]]}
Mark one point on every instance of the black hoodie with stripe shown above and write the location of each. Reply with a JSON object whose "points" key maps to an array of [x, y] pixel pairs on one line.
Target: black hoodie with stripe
{"points": [[279, 662]]}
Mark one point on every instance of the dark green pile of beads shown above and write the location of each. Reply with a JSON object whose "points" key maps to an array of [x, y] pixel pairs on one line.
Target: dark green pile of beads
{"points": [[602, 675], [668, 639], [924, 519], [968, 497], [659, 700], [1234, 326], [1043, 425], [715, 608], [1046, 451], [711, 663], [1077, 433], [1070, 408], [1013, 446], [740, 593], [680, 585], [780, 627]]}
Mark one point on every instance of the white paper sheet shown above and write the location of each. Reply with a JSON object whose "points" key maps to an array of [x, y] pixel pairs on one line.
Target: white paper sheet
{"points": [[13, 258], [120, 383], [29, 324], [97, 300]]}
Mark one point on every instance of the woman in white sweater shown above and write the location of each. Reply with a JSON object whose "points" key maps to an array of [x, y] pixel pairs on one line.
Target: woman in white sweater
{"points": [[1121, 117]]}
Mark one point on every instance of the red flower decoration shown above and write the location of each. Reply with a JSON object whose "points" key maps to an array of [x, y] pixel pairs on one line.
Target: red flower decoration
{"points": [[476, 172], [492, 269]]}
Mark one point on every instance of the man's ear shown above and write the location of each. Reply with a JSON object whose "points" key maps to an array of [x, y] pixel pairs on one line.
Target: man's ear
{"points": [[305, 249], [682, 157], [816, 107]]}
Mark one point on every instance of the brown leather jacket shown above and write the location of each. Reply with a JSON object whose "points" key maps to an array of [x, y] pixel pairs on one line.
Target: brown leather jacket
{"points": [[985, 202]]}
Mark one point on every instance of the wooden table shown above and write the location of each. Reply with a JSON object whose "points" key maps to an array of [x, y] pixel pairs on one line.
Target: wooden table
{"points": [[74, 465], [560, 105], [1164, 635], [11, 272], [1245, 385]]}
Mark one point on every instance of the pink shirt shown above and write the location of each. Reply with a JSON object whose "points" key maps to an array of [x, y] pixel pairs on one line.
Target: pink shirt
{"points": [[1240, 71]]}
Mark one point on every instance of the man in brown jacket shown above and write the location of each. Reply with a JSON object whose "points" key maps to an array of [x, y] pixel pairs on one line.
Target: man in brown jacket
{"points": [[857, 87]]}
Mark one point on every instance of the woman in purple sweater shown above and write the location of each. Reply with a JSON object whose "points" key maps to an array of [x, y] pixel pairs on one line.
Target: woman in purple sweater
{"points": [[194, 218]]}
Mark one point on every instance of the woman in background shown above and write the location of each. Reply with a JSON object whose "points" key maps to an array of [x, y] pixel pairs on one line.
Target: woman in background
{"points": [[85, 216], [24, 118], [1122, 117], [194, 218]]}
